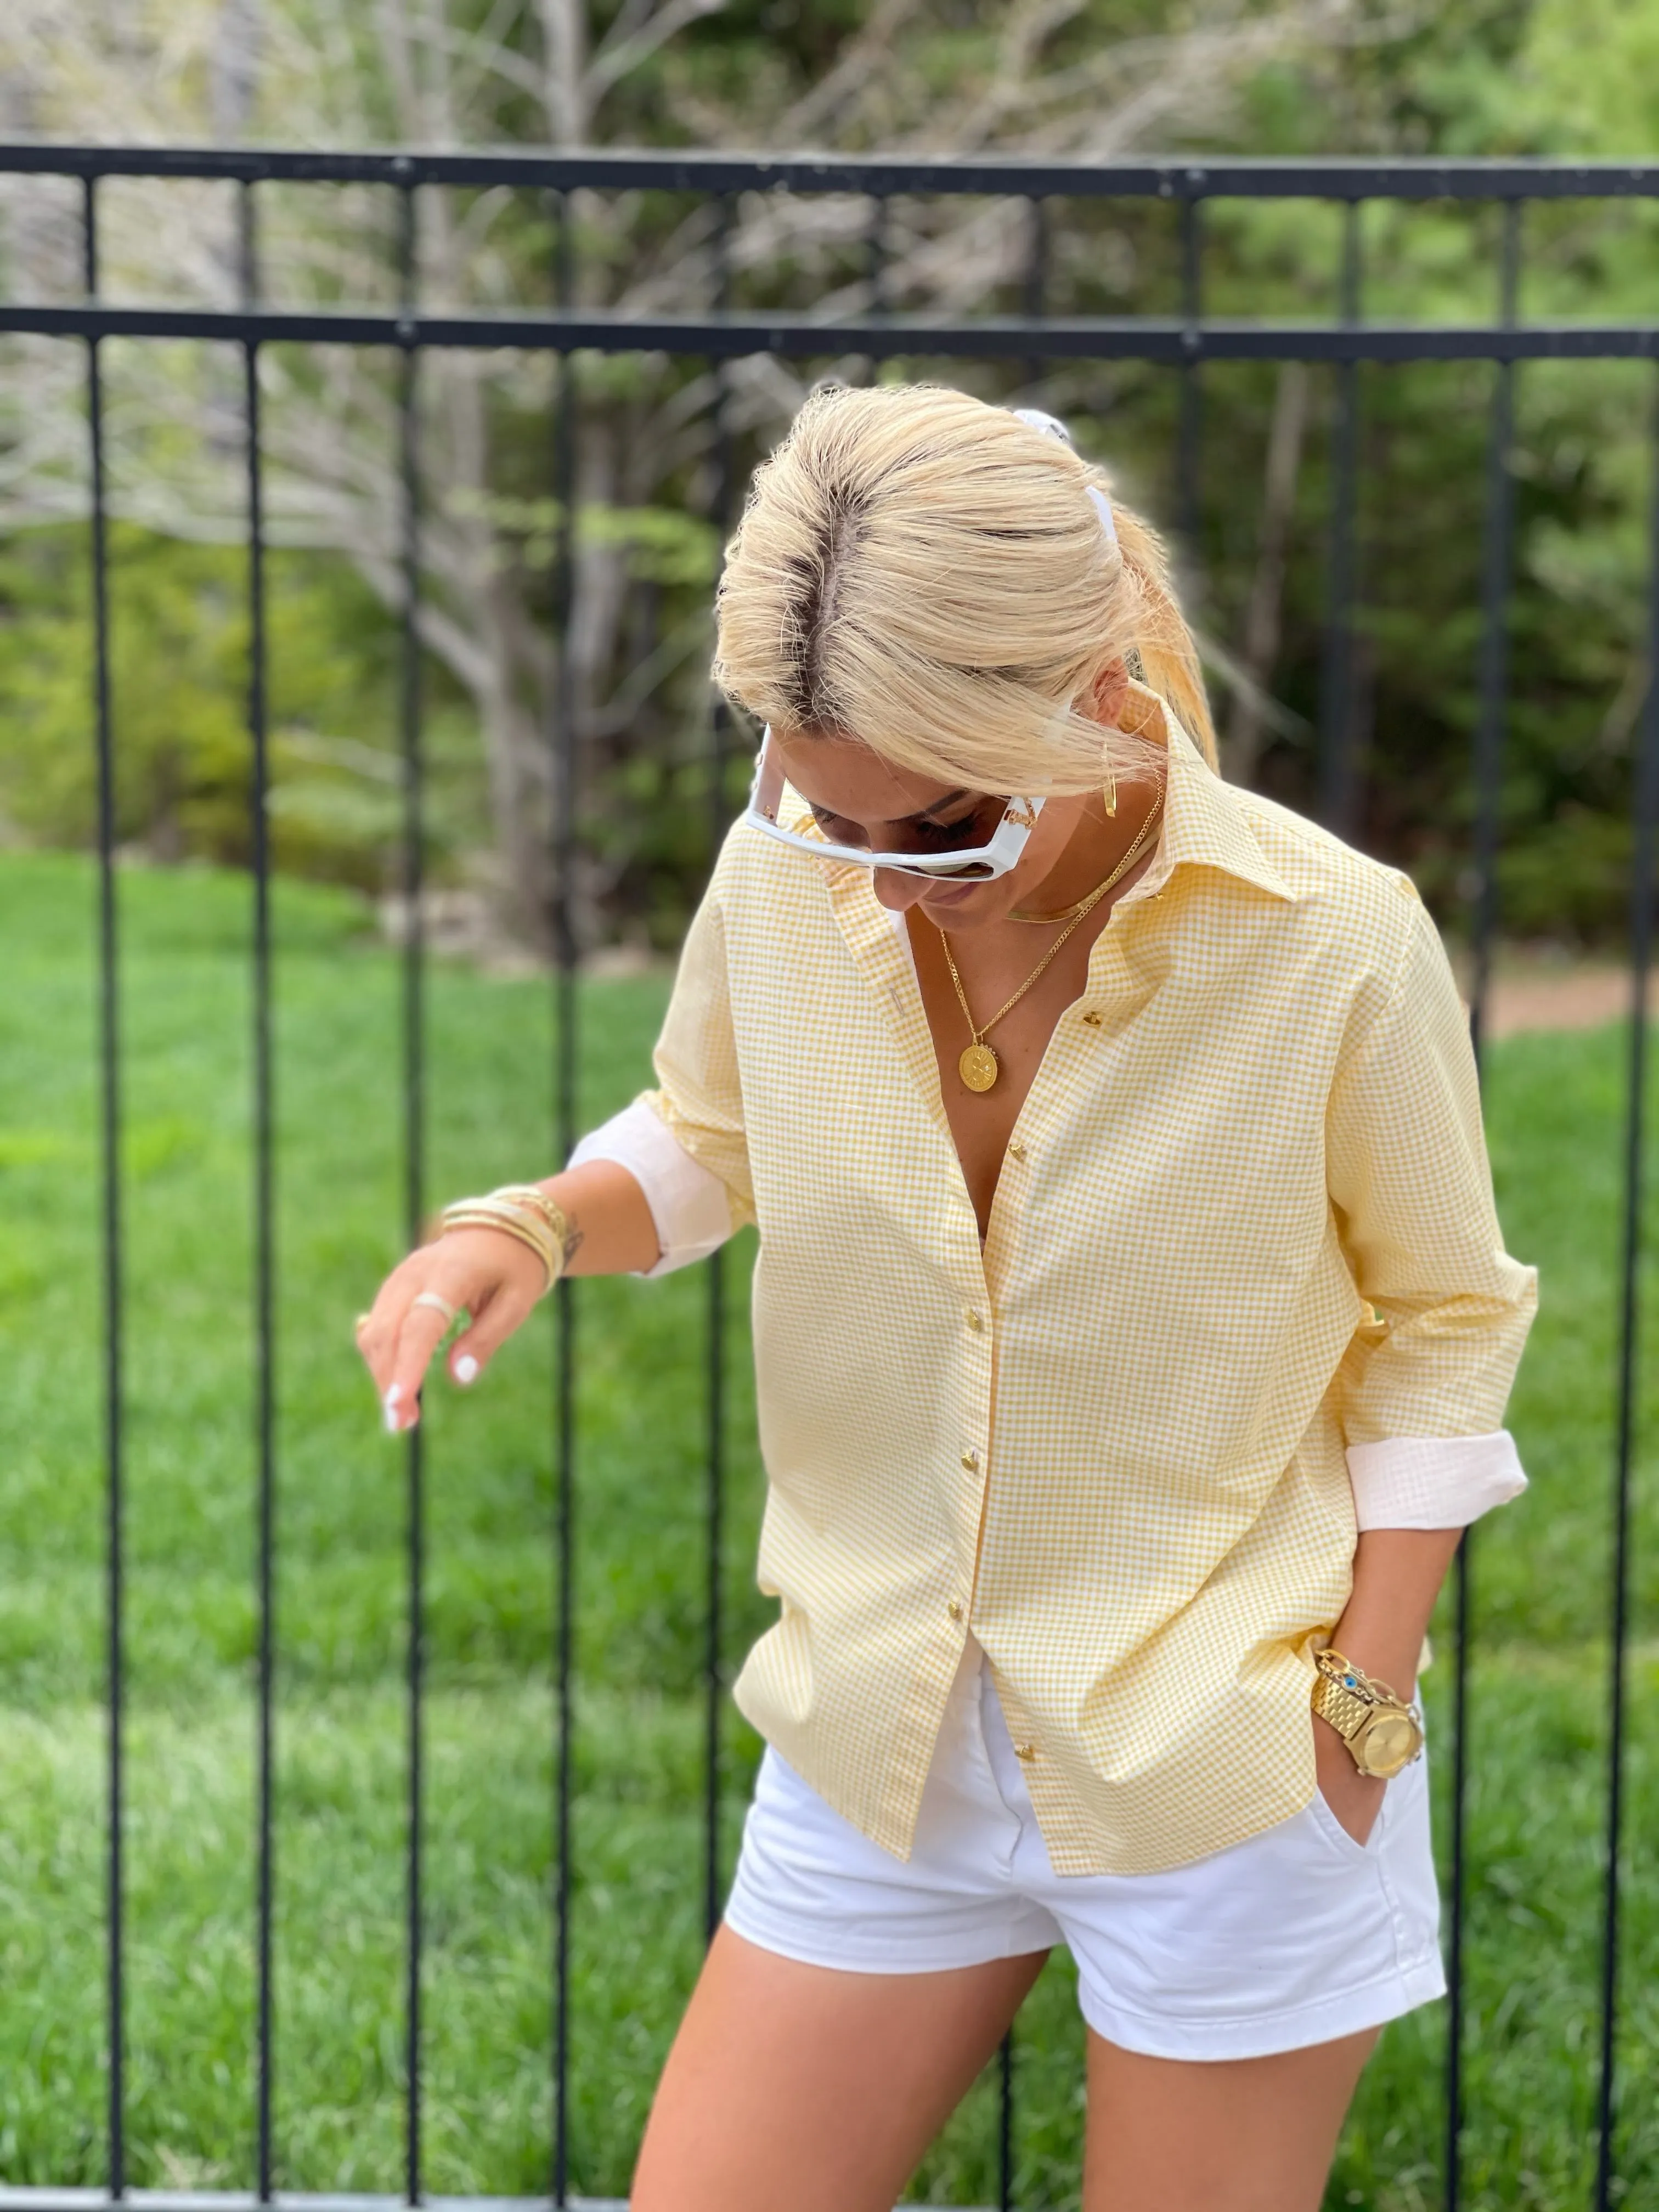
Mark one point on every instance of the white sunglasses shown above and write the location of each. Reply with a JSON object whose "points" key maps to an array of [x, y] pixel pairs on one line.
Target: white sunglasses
{"points": [[969, 863]]}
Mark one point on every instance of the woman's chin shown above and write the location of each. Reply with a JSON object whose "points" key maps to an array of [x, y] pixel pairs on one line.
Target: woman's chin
{"points": [[964, 905]]}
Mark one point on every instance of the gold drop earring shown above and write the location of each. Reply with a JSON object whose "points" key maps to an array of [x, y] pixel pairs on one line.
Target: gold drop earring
{"points": [[1111, 778]]}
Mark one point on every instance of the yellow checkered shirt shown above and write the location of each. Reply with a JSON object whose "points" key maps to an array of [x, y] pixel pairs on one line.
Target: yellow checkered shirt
{"points": [[1246, 1220]]}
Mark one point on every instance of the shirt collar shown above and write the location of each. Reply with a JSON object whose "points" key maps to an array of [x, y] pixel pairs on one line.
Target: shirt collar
{"points": [[1204, 826]]}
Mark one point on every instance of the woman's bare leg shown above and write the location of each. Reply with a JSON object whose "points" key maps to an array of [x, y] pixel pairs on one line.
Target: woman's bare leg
{"points": [[1231, 2135], [794, 2088]]}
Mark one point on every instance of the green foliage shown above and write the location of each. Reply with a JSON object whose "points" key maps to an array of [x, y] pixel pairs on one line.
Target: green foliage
{"points": [[663, 545], [179, 684], [1555, 1111], [1484, 76]]}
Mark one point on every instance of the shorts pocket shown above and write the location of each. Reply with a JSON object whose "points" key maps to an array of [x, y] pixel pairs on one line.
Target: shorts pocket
{"points": [[1337, 1835]]}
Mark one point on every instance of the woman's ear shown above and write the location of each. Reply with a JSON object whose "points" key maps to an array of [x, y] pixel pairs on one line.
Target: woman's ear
{"points": [[1105, 699]]}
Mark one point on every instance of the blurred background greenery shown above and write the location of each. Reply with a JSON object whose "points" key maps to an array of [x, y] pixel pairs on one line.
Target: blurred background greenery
{"points": [[1086, 78]]}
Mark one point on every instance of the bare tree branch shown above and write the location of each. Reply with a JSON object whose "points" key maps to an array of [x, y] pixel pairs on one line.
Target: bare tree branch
{"points": [[616, 59]]}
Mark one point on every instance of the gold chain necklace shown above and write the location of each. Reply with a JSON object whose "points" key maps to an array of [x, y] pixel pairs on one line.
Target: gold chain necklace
{"points": [[1051, 920], [978, 1065]]}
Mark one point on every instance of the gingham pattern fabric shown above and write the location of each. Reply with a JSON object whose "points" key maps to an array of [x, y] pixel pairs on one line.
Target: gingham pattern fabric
{"points": [[1246, 1220]]}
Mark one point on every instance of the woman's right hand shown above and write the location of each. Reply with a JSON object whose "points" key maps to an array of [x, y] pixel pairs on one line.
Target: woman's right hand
{"points": [[490, 1274]]}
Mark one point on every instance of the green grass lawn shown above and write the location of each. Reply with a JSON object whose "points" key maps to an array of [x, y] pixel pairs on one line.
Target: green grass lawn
{"points": [[1541, 1573]]}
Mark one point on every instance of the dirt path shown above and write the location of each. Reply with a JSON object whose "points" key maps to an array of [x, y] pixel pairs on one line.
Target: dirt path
{"points": [[1543, 993]]}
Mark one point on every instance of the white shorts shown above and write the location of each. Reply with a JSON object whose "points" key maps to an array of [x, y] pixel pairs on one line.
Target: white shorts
{"points": [[1292, 1937]]}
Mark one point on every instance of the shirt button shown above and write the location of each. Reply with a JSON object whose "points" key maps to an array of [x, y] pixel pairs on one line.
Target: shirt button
{"points": [[970, 1461], [975, 1319], [954, 1610], [1092, 1018], [1025, 1751], [1017, 1150]]}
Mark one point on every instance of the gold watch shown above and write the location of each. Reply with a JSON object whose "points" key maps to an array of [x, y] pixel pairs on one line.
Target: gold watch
{"points": [[1382, 1733]]}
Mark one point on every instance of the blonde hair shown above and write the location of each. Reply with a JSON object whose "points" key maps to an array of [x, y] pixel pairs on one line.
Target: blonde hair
{"points": [[926, 573]]}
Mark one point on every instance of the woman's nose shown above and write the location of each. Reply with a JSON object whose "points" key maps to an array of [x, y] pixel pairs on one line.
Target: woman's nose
{"points": [[898, 892]]}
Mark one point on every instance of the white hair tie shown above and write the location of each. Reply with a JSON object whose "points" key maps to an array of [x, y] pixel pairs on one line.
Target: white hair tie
{"points": [[1034, 419], [1103, 509]]}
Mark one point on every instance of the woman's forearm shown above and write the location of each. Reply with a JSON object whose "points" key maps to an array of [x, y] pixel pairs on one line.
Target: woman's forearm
{"points": [[610, 1228], [1397, 1574]]}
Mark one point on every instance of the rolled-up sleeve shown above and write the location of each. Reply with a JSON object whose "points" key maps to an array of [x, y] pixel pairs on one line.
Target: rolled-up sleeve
{"points": [[699, 1092], [1411, 1185], [689, 1207]]}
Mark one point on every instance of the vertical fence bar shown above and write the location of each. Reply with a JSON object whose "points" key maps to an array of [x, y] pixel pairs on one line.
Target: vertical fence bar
{"points": [[1189, 431], [875, 255], [414, 1040], [1035, 285], [1338, 768], [1496, 569], [875, 269], [1641, 933], [109, 1048], [1006, 2123], [1497, 575], [713, 1676], [263, 1252], [564, 1111], [1034, 288]]}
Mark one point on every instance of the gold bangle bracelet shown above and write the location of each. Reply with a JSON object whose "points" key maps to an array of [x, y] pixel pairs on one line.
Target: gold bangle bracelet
{"points": [[532, 1199], [530, 1230], [536, 1201], [522, 1232], [521, 1210]]}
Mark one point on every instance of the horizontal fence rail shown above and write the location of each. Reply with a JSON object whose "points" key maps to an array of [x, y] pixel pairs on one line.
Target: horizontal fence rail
{"points": [[722, 333], [879, 174], [990, 337]]}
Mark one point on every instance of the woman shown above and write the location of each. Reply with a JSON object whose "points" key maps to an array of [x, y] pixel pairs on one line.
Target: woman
{"points": [[1132, 1329]]}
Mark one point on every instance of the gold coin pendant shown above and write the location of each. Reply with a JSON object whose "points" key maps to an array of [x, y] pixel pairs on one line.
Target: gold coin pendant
{"points": [[978, 1067]]}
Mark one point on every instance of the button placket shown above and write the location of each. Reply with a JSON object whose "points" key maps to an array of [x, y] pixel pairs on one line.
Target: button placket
{"points": [[975, 1413]]}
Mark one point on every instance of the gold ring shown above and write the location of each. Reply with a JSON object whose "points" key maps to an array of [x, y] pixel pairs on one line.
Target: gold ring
{"points": [[438, 1305]]}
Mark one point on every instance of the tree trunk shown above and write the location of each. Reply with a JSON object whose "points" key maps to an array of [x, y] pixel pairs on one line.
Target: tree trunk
{"points": [[1242, 739]]}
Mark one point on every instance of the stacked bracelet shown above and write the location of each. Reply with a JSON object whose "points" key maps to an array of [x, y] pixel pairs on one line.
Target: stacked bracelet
{"points": [[1381, 1731], [523, 1210]]}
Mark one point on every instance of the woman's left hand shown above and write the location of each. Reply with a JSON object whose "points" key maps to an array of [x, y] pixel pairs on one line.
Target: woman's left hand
{"points": [[1355, 1799], [1396, 1574]]}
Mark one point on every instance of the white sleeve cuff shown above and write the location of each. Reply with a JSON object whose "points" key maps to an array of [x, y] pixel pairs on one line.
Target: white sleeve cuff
{"points": [[1433, 1482], [689, 1204]]}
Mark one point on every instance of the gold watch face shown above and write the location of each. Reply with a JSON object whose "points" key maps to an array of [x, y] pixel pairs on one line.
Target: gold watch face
{"points": [[1390, 1743]]}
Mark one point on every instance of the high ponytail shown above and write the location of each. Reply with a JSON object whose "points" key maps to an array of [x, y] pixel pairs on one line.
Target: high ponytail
{"points": [[1168, 655]]}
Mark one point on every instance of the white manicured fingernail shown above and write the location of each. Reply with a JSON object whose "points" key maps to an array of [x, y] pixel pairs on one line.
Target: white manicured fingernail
{"points": [[466, 1369], [391, 1421]]}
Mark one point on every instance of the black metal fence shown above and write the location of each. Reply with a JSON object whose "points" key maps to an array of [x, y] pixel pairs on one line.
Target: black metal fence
{"points": [[1183, 343]]}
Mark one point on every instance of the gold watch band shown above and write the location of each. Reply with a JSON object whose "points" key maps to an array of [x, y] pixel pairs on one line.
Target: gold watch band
{"points": [[1347, 1712], [1383, 1733]]}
